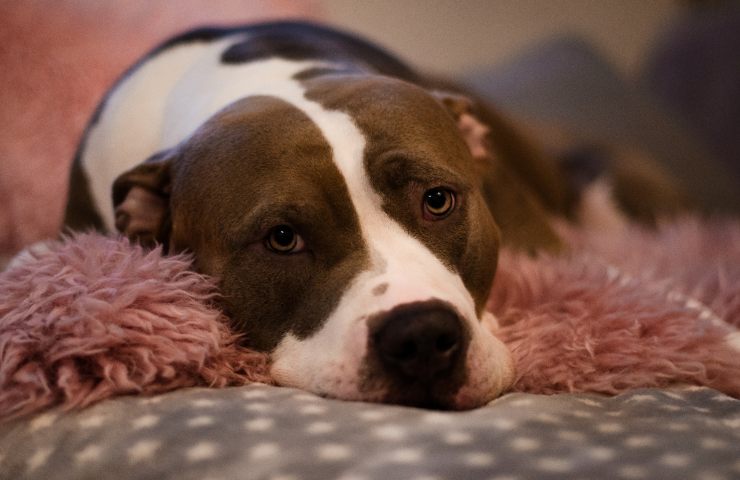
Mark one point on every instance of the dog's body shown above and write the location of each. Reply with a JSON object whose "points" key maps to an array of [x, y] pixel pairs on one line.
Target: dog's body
{"points": [[345, 203]]}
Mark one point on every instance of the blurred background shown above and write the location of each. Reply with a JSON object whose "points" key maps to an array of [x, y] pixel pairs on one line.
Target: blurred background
{"points": [[451, 37], [661, 76]]}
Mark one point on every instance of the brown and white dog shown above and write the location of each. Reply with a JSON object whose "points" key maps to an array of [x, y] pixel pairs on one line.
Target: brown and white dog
{"points": [[351, 209]]}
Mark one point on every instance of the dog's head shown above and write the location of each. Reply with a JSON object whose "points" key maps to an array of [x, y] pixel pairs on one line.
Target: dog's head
{"points": [[349, 233]]}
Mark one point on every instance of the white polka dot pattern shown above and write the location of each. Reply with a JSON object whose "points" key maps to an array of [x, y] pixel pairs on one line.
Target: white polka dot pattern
{"points": [[143, 450], [273, 433], [201, 451]]}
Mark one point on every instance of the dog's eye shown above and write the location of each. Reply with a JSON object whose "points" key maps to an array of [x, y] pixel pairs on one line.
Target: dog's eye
{"points": [[283, 239], [438, 203]]}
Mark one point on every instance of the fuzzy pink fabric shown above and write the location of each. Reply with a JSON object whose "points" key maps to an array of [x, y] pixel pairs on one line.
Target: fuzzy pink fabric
{"points": [[57, 58], [642, 309], [96, 317]]}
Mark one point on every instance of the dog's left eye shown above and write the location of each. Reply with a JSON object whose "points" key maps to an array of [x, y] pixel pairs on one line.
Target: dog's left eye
{"points": [[438, 203], [283, 239]]}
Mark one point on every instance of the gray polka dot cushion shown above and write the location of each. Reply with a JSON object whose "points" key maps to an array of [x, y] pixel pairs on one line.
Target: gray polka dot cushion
{"points": [[261, 432]]}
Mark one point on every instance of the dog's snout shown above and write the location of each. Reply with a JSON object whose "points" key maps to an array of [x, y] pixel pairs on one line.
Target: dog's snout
{"points": [[420, 342]]}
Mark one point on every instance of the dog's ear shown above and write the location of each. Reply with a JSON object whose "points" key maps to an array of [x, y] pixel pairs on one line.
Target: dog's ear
{"points": [[519, 186], [141, 199], [471, 128]]}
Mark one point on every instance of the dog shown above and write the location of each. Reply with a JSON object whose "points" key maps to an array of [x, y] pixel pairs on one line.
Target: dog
{"points": [[351, 209]]}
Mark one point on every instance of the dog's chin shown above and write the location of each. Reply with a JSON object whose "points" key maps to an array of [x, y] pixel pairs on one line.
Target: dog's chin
{"points": [[488, 372]]}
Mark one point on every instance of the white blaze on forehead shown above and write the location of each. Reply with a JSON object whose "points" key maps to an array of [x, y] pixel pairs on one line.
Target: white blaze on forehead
{"points": [[412, 272]]}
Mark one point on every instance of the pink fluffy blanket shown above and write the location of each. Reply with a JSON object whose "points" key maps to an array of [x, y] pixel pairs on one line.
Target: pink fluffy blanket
{"points": [[94, 317]]}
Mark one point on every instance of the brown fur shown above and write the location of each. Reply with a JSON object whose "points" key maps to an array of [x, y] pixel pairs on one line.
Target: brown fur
{"points": [[643, 190]]}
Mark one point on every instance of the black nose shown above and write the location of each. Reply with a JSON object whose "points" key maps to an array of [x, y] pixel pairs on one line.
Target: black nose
{"points": [[420, 341]]}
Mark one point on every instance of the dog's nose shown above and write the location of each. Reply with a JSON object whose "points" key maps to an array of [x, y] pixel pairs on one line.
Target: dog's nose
{"points": [[420, 342]]}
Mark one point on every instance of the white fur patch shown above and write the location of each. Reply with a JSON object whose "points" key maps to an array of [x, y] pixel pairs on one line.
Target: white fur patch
{"points": [[597, 210], [28, 254], [166, 99], [130, 125]]}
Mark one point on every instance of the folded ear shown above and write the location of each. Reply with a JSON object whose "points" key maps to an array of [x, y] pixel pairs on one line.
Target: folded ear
{"points": [[520, 187], [141, 199], [471, 128]]}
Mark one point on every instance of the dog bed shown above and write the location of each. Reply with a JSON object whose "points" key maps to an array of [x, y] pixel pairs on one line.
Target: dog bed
{"points": [[271, 433], [94, 317]]}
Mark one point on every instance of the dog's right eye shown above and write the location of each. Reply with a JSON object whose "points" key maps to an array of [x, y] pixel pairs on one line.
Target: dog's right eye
{"points": [[438, 203], [283, 239]]}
